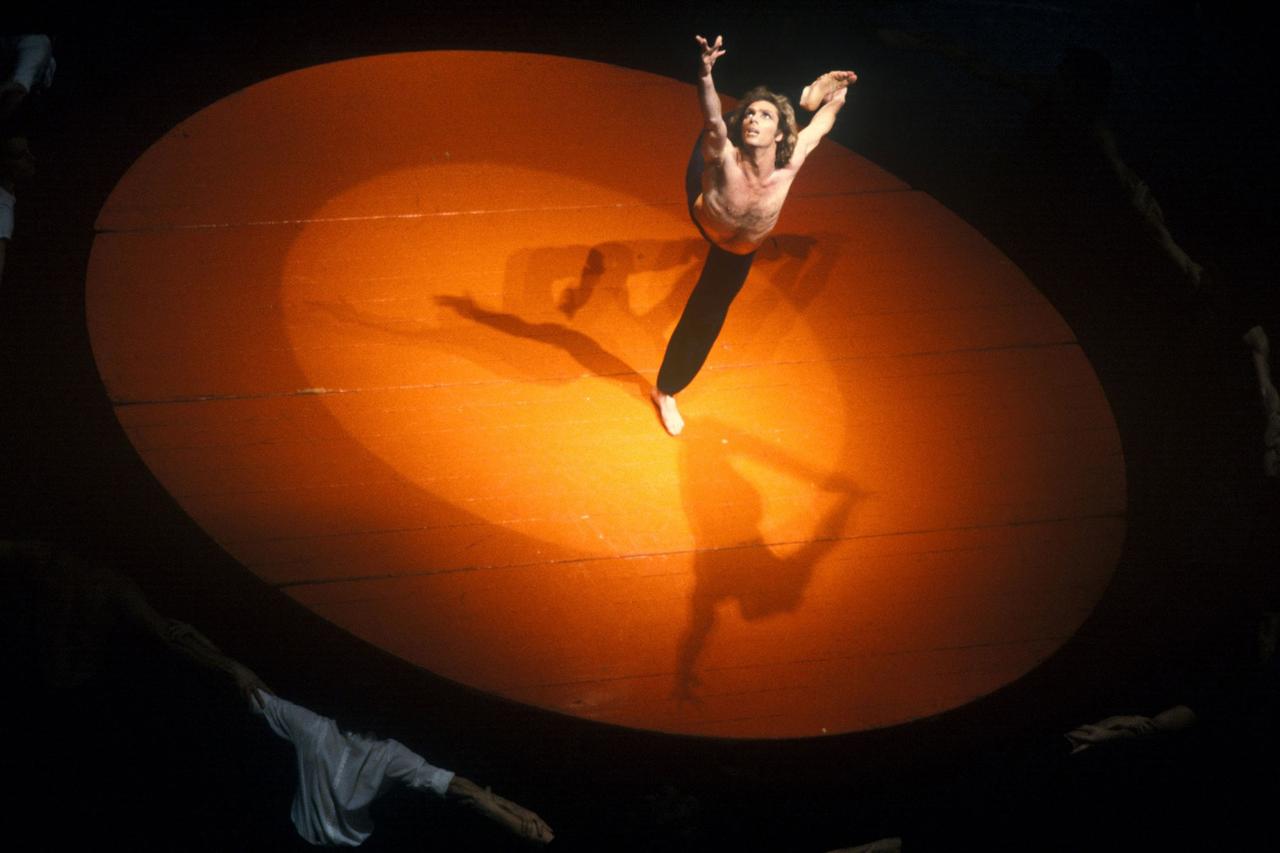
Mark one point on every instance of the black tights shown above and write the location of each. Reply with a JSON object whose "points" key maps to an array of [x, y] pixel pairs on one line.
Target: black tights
{"points": [[723, 274]]}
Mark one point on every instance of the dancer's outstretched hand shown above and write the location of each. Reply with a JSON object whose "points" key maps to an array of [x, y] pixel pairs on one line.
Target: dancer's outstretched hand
{"points": [[515, 818], [710, 53], [1110, 729]]}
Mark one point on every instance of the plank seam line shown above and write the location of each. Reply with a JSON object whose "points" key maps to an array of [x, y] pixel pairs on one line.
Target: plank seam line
{"points": [[380, 217], [790, 662], [324, 392], [642, 556]]}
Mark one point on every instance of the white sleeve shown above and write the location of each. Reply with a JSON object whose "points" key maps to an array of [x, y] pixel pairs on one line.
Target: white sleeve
{"points": [[415, 771], [286, 719], [34, 61]]}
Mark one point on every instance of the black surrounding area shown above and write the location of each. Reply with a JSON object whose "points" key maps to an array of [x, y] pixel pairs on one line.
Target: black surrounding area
{"points": [[158, 755]]}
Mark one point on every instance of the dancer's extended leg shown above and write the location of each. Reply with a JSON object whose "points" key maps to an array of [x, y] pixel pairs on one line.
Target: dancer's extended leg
{"points": [[722, 277], [815, 94], [723, 274]]}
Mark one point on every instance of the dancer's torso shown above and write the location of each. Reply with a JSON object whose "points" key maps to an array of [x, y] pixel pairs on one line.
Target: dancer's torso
{"points": [[736, 210]]}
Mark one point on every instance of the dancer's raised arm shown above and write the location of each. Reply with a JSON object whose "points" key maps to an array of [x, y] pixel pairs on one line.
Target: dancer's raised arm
{"points": [[716, 135]]}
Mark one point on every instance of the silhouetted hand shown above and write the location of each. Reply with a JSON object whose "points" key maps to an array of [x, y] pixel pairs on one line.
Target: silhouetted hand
{"points": [[248, 683], [686, 688], [464, 305], [1110, 729], [514, 818], [184, 637]]}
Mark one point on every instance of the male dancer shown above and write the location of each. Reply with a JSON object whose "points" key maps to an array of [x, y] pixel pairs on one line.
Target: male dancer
{"points": [[737, 180]]}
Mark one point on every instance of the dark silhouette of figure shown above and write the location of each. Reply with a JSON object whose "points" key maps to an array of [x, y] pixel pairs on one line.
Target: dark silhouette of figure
{"points": [[78, 607], [798, 267], [1071, 151], [734, 562], [1260, 352]]}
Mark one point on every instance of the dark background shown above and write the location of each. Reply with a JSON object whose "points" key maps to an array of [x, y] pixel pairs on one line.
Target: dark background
{"points": [[161, 756]]}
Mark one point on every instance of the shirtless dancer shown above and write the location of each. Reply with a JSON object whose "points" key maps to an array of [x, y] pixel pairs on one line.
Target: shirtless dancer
{"points": [[737, 180]]}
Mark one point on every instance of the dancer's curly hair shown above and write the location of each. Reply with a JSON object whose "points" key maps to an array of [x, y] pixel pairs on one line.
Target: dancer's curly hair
{"points": [[786, 122]]}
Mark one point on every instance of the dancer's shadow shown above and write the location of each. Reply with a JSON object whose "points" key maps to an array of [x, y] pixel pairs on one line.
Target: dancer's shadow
{"points": [[800, 265], [733, 563], [607, 269], [598, 296], [580, 346], [491, 352], [1066, 187], [797, 266]]}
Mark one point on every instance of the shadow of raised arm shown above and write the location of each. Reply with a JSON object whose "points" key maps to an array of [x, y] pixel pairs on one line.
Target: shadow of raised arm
{"points": [[581, 347]]}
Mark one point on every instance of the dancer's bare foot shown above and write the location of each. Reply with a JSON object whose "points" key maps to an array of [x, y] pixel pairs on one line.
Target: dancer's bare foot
{"points": [[817, 92], [667, 411]]}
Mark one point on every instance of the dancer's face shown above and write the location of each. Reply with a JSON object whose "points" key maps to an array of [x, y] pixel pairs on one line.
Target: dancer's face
{"points": [[760, 124]]}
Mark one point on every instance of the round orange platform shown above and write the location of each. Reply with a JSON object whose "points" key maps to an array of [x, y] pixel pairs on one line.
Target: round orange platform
{"points": [[386, 330]]}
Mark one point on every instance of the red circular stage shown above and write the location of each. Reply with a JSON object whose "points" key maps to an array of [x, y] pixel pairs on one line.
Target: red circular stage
{"points": [[386, 330]]}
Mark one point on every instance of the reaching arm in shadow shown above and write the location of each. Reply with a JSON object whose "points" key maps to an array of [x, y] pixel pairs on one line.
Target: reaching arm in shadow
{"points": [[580, 346]]}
